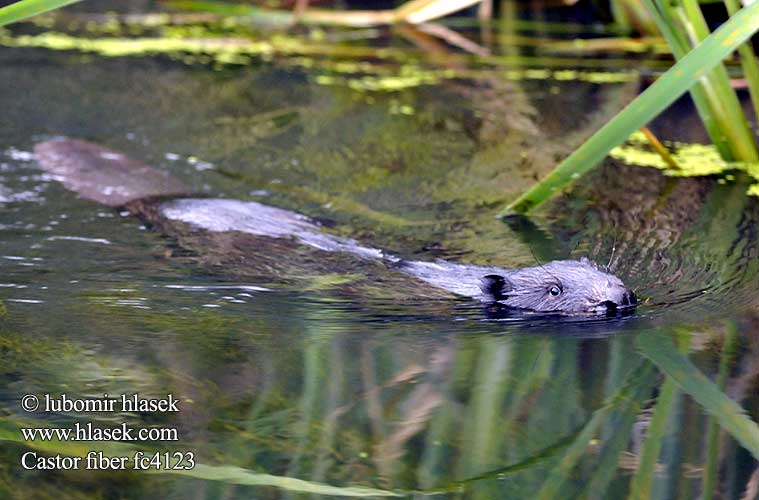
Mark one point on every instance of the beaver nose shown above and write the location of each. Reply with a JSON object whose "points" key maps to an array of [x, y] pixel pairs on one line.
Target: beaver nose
{"points": [[611, 306], [629, 299]]}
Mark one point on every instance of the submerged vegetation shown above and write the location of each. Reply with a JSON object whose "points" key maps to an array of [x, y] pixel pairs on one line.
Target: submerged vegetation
{"points": [[427, 400]]}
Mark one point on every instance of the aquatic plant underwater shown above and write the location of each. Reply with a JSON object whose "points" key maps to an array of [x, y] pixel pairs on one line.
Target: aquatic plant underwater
{"points": [[348, 400]]}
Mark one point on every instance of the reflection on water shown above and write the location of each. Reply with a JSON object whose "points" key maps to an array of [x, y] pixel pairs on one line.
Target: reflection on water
{"points": [[658, 230], [323, 383]]}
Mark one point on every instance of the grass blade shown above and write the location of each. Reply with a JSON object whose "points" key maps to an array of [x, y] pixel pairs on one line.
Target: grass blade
{"points": [[679, 45], [642, 482], [538, 458], [661, 351], [28, 8], [711, 469], [645, 107], [421, 11], [238, 475], [723, 99], [480, 448], [748, 62], [637, 386]]}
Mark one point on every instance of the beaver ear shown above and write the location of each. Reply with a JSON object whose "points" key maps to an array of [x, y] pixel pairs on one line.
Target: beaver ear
{"points": [[587, 261], [496, 287]]}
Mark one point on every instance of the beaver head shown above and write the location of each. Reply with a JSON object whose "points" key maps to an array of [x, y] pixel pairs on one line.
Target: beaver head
{"points": [[566, 286]]}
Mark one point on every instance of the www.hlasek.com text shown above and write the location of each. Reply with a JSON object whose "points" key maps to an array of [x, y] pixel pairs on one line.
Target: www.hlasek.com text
{"points": [[89, 432]]}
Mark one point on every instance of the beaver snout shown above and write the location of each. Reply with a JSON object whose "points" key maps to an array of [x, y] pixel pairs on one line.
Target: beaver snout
{"points": [[625, 300]]}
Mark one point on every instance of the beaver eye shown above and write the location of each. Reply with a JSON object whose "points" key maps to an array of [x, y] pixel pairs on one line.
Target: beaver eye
{"points": [[555, 291]]}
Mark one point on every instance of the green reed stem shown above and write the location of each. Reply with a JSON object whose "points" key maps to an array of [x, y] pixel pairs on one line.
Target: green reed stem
{"points": [[27, 8], [642, 481], [713, 428], [748, 63], [681, 77], [725, 104]]}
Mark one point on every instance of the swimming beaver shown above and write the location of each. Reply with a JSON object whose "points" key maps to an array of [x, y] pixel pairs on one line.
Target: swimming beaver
{"points": [[232, 228]]}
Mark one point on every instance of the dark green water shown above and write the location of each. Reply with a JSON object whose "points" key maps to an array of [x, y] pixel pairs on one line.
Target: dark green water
{"points": [[323, 383]]}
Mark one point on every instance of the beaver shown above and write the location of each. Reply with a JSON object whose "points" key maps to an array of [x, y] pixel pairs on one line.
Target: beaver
{"points": [[230, 229]]}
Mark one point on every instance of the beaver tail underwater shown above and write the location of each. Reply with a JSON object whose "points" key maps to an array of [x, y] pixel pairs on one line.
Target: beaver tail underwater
{"points": [[233, 229]]}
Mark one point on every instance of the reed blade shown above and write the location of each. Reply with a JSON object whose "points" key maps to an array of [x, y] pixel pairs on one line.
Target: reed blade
{"points": [[670, 86]]}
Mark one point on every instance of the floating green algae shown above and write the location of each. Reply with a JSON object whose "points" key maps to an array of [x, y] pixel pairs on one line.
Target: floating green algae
{"points": [[356, 65], [693, 160], [120, 47]]}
